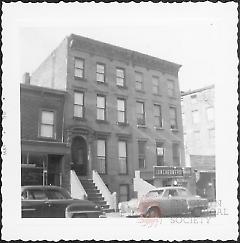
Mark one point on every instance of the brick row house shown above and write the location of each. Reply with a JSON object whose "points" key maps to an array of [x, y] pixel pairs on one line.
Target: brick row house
{"points": [[122, 112]]}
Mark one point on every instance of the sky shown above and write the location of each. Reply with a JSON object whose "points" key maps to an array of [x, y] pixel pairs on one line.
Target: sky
{"points": [[197, 36]]}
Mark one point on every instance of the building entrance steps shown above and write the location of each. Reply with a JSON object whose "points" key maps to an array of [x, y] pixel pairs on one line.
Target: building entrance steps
{"points": [[93, 194]]}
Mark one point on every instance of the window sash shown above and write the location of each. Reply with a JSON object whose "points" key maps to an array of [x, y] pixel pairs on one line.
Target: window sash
{"points": [[100, 73], [155, 82], [121, 116], [101, 102], [173, 118], [47, 130], [122, 165], [170, 86], [157, 116], [100, 113], [139, 81], [79, 68], [120, 77], [78, 111], [78, 98], [101, 148], [47, 117]]}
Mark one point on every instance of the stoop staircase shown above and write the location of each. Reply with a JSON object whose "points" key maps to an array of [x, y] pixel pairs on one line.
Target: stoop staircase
{"points": [[94, 194]]}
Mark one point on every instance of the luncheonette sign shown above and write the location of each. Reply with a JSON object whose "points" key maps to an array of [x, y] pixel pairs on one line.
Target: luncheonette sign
{"points": [[167, 171]]}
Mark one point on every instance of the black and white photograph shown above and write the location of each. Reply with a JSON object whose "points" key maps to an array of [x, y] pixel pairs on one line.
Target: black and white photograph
{"points": [[123, 116]]}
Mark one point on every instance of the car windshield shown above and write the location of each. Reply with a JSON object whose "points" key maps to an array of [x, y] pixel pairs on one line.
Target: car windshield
{"points": [[155, 193], [183, 193], [55, 194]]}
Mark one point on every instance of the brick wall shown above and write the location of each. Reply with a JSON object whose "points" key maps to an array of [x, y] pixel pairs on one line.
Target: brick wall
{"points": [[32, 102]]}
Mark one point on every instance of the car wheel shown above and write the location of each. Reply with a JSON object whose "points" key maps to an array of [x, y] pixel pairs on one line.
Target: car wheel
{"points": [[153, 213], [197, 212]]}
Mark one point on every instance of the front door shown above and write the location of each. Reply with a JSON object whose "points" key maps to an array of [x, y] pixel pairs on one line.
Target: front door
{"points": [[79, 156]]}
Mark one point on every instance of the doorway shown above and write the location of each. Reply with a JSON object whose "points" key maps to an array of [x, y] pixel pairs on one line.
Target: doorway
{"points": [[79, 156]]}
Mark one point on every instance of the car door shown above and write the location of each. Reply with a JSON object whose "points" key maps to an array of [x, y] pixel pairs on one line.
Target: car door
{"points": [[173, 202], [164, 203], [57, 203], [33, 203]]}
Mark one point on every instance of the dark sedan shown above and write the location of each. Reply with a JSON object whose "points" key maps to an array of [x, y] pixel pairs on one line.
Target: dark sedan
{"points": [[55, 202]]}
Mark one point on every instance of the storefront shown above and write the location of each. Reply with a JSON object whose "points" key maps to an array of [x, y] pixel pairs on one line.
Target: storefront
{"points": [[173, 176], [43, 164]]}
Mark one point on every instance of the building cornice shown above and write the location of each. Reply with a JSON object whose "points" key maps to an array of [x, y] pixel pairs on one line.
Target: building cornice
{"points": [[112, 52], [183, 93], [40, 89]]}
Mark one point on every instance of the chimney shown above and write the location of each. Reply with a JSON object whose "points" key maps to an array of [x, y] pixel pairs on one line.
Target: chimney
{"points": [[26, 78]]}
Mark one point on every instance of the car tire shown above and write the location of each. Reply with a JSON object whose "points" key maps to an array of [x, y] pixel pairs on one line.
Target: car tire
{"points": [[196, 212], [153, 213]]}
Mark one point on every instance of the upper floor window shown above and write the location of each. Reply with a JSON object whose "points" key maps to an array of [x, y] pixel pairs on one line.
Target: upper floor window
{"points": [[120, 77], [210, 113], [101, 156], [100, 72], [160, 154], [157, 115], [139, 80], [141, 154], [101, 107], [122, 157], [195, 116], [78, 104], [173, 118], [140, 113], [155, 85], [194, 99], [171, 88], [211, 134], [79, 68], [121, 108], [47, 124]]}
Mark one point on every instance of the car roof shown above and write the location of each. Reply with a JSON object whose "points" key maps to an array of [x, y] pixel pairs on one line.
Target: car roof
{"points": [[41, 187], [168, 187]]}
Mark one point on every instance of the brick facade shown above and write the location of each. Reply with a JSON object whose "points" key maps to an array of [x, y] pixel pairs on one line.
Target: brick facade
{"points": [[91, 129]]}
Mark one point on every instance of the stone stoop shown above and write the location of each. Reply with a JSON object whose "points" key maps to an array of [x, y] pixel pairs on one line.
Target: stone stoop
{"points": [[94, 195]]}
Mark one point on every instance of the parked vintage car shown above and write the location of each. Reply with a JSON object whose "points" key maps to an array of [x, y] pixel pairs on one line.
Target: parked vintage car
{"points": [[171, 201], [55, 202]]}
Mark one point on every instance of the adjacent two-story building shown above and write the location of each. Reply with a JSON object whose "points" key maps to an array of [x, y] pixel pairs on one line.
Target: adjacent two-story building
{"points": [[122, 113], [199, 137]]}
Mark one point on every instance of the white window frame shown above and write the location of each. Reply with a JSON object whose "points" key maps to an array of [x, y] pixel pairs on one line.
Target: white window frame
{"points": [[52, 125]]}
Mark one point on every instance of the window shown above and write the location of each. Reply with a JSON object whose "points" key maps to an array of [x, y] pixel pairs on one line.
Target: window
{"points": [[173, 118], [101, 156], [79, 68], [211, 134], [176, 154], [141, 154], [160, 154], [157, 116], [101, 107], [122, 156], [47, 124], [123, 193], [100, 72], [210, 113], [170, 88], [193, 99], [140, 113], [155, 85], [78, 104], [139, 80], [120, 77], [121, 108], [196, 136], [195, 116]]}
